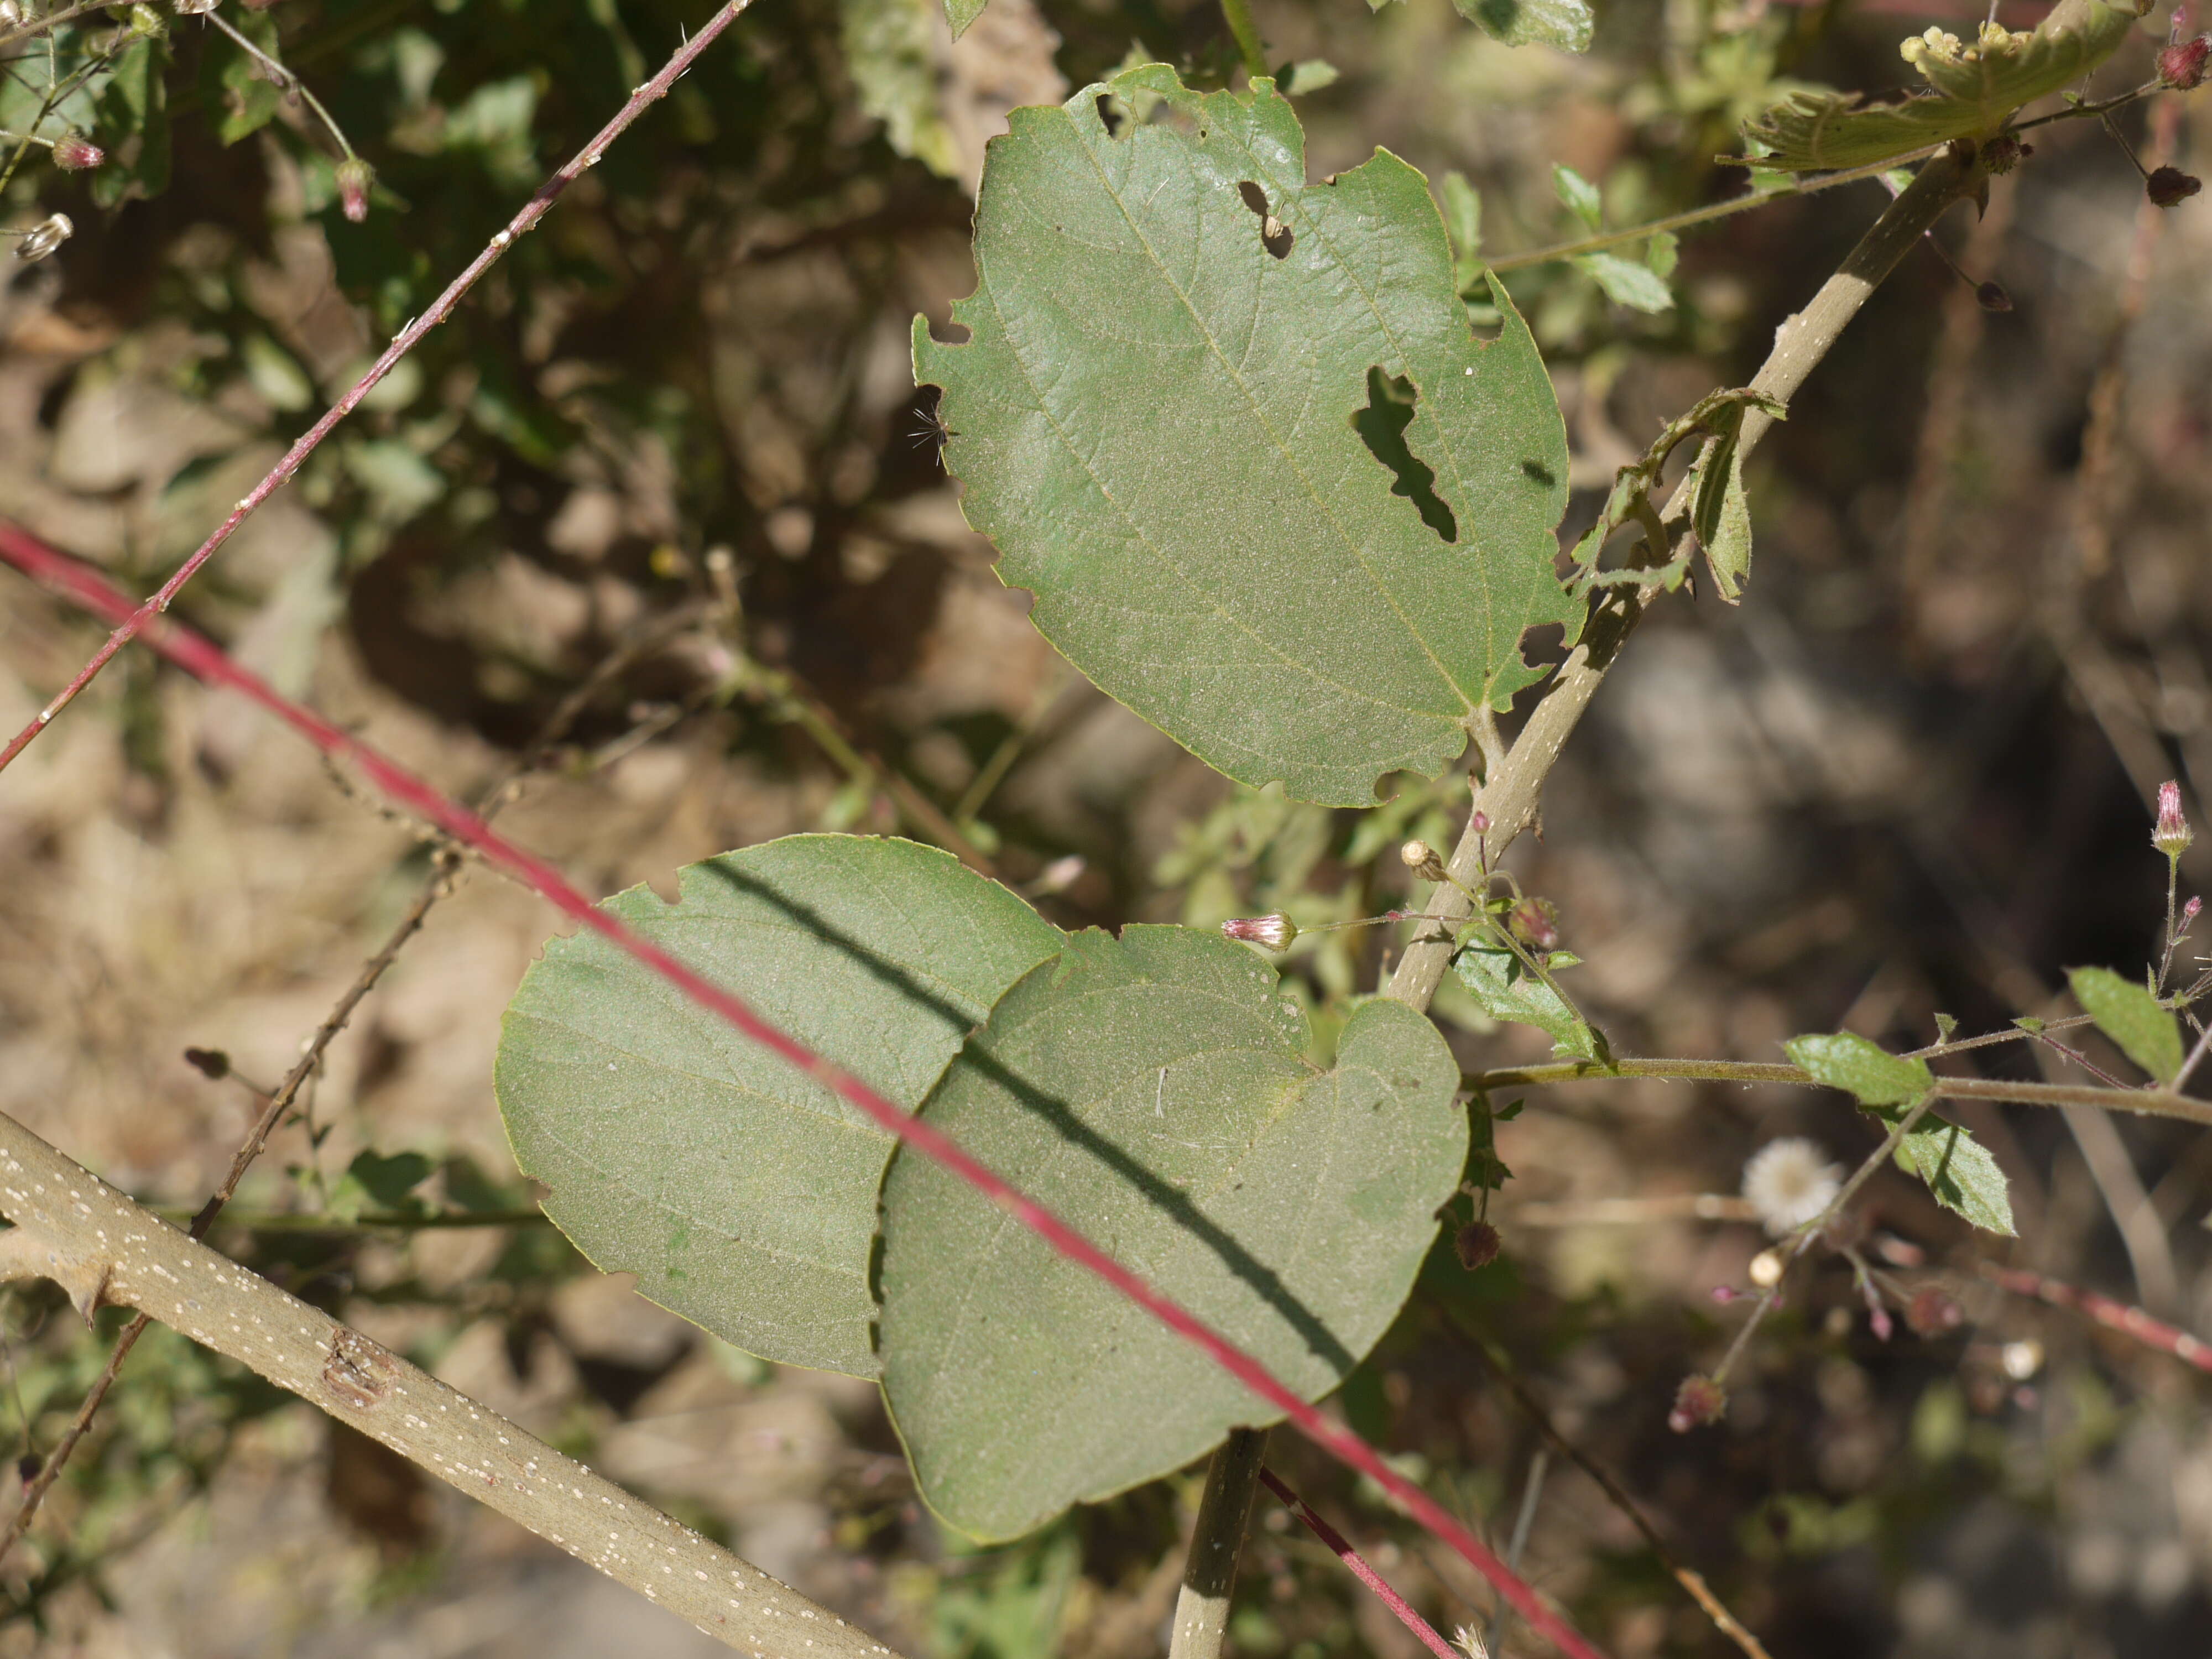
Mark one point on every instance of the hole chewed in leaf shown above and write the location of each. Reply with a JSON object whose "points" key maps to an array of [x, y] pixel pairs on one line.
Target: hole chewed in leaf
{"points": [[1382, 427], [1275, 236]]}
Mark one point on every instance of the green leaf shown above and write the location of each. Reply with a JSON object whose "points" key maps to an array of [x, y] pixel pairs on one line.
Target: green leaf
{"points": [[2125, 1011], [1663, 253], [890, 46], [134, 103], [961, 13], [1154, 422], [742, 1195], [1626, 283], [377, 1182], [1720, 511], [250, 99], [1861, 1068], [1154, 1092], [1974, 88], [1505, 989], [1463, 215], [1959, 1171], [1565, 24], [1577, 195], [1310, 75]]}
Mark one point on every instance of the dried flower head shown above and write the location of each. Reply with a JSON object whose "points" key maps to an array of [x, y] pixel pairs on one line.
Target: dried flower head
{"points": [[2170, 187], [1421, 858], [1932, 1313], [193, 8], [2181, 64], [44, 238], [74, 153], [2002, 154], [1468, 1641], [2172, 833], [1991, 296], [1699, 1400], [11, 14], [211, 1063], [1790, 1182], [1477, 1244], [355, 176], [1766, 1270], [1271, 933]]}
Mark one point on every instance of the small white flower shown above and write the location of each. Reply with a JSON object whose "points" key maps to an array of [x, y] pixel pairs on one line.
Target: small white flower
{"points": [[1788, 1182]]}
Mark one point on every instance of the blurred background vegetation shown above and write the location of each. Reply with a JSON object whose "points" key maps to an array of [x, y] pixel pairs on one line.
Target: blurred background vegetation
{"points": [[669, 455]]}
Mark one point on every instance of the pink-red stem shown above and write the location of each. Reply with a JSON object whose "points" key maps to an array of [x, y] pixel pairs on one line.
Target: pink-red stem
{"points": [[1365, 1574], [2113, 1315], [531, 211], [198, 656]]}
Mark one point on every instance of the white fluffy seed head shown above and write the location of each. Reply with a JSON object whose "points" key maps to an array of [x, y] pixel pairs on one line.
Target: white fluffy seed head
{"points": [[1790, 1182]]}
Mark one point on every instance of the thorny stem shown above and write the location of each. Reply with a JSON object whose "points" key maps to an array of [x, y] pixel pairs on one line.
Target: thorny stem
{"points": [[283, 79], [530, 212], [72, 1227], [1514, 787], [1238, 12], [1772, 1298], [198, 656], [277, 1101], [1341, 1548]]}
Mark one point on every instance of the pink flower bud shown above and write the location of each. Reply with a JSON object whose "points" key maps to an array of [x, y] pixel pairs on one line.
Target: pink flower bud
{"points": [[2191, 910], [2171, 187], [2181, 65], [1477, 1244], [1479, 822], [74, 153], [1699, 1400], [355, 176], [1271, 933], [1931, 1313], [1724, 1294], [1535, 923], [2172, 834], [1878, 1317]]}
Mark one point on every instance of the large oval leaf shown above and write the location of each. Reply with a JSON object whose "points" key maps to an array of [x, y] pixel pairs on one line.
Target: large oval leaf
{"points": [[742, 1195], [1154, 1092], [1234, 431]]}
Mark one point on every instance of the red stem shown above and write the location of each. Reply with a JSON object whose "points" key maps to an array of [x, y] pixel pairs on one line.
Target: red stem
{"points": [[531, 211], [1365, 1574], [2113, 1315], [198, 656]]}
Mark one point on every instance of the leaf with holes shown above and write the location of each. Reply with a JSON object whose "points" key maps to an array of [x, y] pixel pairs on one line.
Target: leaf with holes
{"points": [[742, 1195], [1154, 1092], [1234, 431]]}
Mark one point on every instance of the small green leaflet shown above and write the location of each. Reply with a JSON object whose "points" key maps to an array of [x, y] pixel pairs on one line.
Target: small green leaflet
{"points": [[1173, 333], [1959, 1172], [1154, 1091], [1720, 511], [1577, 195], [1973, 89], [742, 1195], [2125, 1011], [1505, 989], [1626, 283], [1863, 1069]]}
